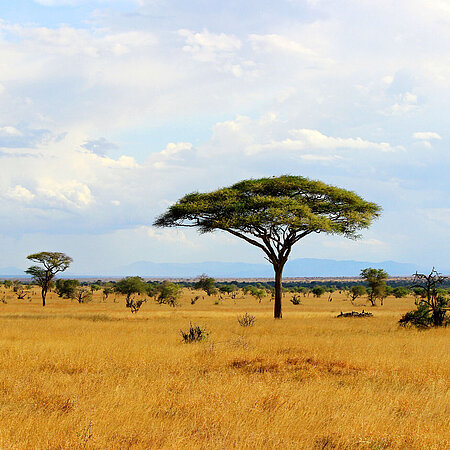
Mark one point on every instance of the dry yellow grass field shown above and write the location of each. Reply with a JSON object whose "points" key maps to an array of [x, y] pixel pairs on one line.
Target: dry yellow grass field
{"points": [[96, 376]]}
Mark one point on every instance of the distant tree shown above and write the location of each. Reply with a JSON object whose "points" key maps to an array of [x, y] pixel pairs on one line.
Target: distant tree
{"points": [[258, 293], [108, 289], [318, 291], [376, 278], [8, 284], [226, 289], [83, 294], [53, 263], [67, 288], [433, 304], [273, 214], [168, 293], [19, 289], [95, 287], [357, 291], [207, 284], [130, 286], [400, 292]]}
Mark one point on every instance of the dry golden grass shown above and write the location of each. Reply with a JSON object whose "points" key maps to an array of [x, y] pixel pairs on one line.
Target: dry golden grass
{"points": [[96, 376]]}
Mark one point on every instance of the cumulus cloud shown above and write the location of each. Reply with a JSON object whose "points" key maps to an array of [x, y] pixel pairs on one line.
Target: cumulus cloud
{"points": [[201, 102], [71, 193], [20, 194]]}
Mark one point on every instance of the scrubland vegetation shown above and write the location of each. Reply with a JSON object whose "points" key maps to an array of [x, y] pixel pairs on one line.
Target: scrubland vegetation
{"points": [[92, 375]]}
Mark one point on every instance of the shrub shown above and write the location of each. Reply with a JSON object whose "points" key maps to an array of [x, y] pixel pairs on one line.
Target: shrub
{"points": [[425, 316], [295, 300], [135, 305], [246, 320], [432, 306], [195, 333]]}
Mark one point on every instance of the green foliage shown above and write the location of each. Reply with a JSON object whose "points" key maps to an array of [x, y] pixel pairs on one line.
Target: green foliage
{"points": [[273, 214], [195, 333], [7, 284], [67, 288], [130, 286], [83, 294], [254, 291], [295, 300], [432, 306], [230, 289], [357, 291], [108, 289], [169, 293], [207, 284], [400, 292], [53, 263], [376, 278], [295, 202], [318, 291], [152, 289]]}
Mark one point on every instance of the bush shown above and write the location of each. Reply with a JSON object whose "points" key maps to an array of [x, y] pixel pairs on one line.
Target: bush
{"points": [[295, 300], [195, 333], [425, 316], [135, 305], [432, 305], [246, 320]]}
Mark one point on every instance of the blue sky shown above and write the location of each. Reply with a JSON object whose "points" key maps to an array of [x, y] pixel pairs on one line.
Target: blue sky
{"points": [[112, 110]]}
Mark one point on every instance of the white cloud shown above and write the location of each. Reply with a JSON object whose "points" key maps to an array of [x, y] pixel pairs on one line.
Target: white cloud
{"points": [[405, 103], [276, 42], [9, 131], [208, 47], [19, 193], [70, 193], [426, 135]]}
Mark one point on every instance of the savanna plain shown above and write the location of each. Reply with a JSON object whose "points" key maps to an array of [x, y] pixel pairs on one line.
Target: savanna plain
{"points": [[96, 376]]}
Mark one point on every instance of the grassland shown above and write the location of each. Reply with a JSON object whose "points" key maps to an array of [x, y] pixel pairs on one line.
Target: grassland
{"points": [[95, 376]]}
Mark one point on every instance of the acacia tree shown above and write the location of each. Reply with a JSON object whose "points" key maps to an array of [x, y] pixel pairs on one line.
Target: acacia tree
{"points": [[376, 278], [53, 262], [207, 284], [273, 214], [130, 286]]}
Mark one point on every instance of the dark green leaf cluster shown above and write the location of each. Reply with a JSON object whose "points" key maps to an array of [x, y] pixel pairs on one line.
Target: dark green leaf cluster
{"points": [[271, 204]]}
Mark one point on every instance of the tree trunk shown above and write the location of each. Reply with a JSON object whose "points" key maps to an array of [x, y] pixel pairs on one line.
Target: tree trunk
{"points": [[277, 314], [44, 294]]}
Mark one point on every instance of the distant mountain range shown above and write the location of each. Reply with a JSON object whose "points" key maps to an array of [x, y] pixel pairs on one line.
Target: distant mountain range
{"points": [[302, 267], [296, 268], [11, 272]]}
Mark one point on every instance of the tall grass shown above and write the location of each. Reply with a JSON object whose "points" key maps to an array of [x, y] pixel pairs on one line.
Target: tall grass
{"points": [[96, 376]]}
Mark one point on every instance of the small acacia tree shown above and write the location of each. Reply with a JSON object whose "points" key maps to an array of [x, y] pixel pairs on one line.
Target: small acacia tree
{"points": [[376, 278], [207, 284], [273, 214], [130, 286], [53, 263], [357, 291]]}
